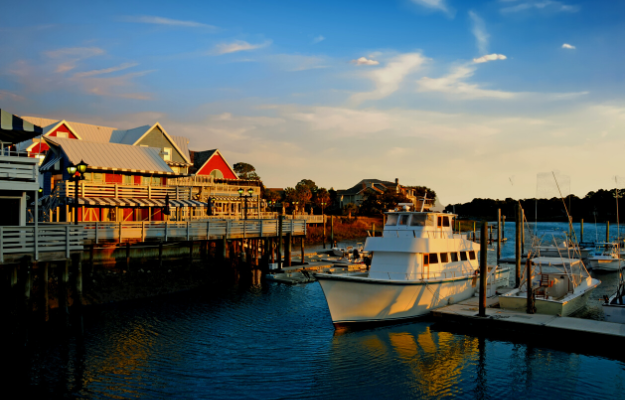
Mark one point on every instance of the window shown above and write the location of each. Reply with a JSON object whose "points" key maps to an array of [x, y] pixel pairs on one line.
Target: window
{"points": [[391, 220], [472, 255], [463, 255], [426, 259], [156, 181], [418, 220], [445, 221], [128, 179], [440, 221], [444, 258], [216, 174], [62, 135], [167, 153], [145, 180], [433, 258], [454, 256], [403, 219]]}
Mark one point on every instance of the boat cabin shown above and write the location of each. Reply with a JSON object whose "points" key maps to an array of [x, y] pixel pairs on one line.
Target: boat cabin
{"points": [[421, 245]]}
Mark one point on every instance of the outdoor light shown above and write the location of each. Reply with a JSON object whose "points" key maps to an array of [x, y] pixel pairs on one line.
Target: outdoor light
{"points": [[250, 191], [71, 169], [240, 191], [82, 167]]}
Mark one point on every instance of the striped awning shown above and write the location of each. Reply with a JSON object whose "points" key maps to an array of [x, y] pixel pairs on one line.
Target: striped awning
{"points": [[13, 129], [50, 164], [127, 202]]}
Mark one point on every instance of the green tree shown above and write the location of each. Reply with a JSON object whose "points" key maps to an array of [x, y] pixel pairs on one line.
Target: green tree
{"points": [[246, 171], [350, 209], [322, 198]]}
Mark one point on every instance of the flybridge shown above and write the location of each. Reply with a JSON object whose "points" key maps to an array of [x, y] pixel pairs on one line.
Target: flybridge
{"points": [[406, 220]]}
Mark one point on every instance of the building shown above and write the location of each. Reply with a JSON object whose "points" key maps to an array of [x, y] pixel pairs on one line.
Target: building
{"points": [[359, 193], [19, 174], [131, 173]]}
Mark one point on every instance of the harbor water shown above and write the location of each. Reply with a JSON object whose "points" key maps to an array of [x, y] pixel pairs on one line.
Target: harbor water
{"points": [[275, 341]]}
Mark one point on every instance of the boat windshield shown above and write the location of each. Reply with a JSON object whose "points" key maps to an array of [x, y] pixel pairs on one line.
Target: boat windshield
{"points": [[422, 220], [391, 220]]}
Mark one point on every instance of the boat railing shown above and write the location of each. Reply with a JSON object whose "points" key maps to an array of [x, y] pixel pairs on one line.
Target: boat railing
{"points": [[423, 276]]}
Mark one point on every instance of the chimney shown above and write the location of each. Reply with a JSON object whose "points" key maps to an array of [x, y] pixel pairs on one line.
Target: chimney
{"points": [[396, 181], [397, 185]]}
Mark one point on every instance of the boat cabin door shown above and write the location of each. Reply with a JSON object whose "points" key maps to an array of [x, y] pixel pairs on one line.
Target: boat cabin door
{"points": [[426, 267]]}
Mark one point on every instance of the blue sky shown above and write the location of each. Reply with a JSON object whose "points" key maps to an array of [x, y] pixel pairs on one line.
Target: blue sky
{"points": [[472, 98]]}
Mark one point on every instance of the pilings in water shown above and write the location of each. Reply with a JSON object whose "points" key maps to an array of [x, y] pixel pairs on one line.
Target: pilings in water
{"points": [[531, 309], [483, 268], [522, 231], [280, 219], [607, 231], [581, 236], [518, 246], [498, 235]]}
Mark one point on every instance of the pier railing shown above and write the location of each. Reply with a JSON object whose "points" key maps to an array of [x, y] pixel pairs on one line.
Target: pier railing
{"points": [[33, 240], [310, 219], [189, 230]]}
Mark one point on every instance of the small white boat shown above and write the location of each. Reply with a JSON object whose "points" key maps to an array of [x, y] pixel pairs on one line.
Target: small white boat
{"points": [[614, 306], [561, 287], [418, 264], [605, 257]]}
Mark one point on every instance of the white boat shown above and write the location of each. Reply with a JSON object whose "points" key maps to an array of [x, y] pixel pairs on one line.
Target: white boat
{"points": [[614, 306], [417, 265], [605, 257], [561, 286]]}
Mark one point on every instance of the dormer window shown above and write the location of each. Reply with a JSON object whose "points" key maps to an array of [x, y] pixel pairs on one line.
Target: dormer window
{"points": [[167, 153], [62, 135]]}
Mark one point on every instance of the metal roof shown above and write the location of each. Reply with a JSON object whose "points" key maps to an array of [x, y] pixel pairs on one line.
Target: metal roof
{"points": [[183, 144], [112, 156], [14, 129], [132, 135]]}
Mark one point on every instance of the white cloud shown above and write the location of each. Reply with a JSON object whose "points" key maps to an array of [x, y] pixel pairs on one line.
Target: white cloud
{"points": [[146, 19], [318, 39], [489, 57], [479, 31], [454, 84], [71, 55], [364, 61], [440, 5], [545, 5], [239, 45], [388, 78], [105, 71], [568, 46]]}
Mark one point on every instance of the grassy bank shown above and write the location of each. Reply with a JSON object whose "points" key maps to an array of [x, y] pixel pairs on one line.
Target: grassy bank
{"points": [[344, 228]]}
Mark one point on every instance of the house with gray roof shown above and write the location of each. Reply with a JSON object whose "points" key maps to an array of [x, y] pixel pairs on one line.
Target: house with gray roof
{"points": [[359, 192]]}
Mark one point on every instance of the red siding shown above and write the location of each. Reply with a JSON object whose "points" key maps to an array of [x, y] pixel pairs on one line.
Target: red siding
{"points": [[113, 178], [62, 128], [137, 179], [217, 162], [39, 148]]}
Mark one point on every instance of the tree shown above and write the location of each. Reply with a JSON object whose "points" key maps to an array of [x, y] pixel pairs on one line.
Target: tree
{"points": [[246, 171], [377, 203], [322, 198], [305, 190], [350, 209]]}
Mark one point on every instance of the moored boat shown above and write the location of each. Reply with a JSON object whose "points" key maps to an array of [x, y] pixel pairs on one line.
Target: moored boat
{"points": [[418, 264], [614, 306], [605, 257]]}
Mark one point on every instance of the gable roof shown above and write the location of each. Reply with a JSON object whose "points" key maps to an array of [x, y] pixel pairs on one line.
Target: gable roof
{"points": [[203, 157], [112, 156], [375, 184], [171, 140]]}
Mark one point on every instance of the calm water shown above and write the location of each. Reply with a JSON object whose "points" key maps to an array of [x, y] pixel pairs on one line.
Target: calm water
{"points": [[277, 341]]}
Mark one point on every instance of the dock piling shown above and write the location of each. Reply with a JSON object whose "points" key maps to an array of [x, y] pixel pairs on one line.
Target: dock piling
{"points": [[531, 309], [607, 231], [483, 268], [280, 218], [581, 236], [522, 230], [498, 235], [288, 251], [518, 246], [302, 248]]}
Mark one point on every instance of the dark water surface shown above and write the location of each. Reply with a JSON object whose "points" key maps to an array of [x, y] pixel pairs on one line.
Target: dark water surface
{"points": [[277, 342]]}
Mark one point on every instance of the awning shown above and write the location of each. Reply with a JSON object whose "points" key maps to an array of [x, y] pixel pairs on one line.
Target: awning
{"points": [[50, 164], [13, 129], [127, 202]]}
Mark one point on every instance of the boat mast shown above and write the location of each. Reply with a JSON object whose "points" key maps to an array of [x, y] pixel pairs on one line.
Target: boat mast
{"points": [[425, 196]]}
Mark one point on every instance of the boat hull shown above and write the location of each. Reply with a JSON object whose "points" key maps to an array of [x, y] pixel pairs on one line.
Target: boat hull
{"points": [[614, 313], [549, 307], [603, 265], [353, 300]]}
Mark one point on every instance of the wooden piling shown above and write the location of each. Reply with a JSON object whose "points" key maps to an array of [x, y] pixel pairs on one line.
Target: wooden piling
{"points": [[581, 236], [483, 268], [531, 309], [607, 231], [373, 230], [288, 252], [332, 229], [301, 242], [324, 232], [280, 218], [474, 231], [518, 246], [522, 231], [498, 235]]}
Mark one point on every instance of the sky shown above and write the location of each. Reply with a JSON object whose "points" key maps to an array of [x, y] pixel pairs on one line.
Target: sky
{"points": [[471, 98]]}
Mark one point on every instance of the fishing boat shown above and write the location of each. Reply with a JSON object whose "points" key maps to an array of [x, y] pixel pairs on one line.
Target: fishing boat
{"points": [[561, 287], [605, 257], [614, 306], [418, 264]]}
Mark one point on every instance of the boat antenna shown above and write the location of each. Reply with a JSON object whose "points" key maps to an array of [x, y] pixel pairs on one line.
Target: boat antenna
{"points": [[425, 196]]}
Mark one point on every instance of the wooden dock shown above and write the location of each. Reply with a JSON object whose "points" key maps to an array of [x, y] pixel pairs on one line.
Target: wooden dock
{"points": [[539, 325]]}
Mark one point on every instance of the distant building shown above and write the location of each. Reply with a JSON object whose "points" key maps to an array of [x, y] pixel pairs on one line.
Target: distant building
{"points": [[359, 192]]}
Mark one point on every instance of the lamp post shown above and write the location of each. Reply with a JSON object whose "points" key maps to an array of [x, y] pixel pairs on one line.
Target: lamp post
{"points": [[295, 203], [76, 174], [245, 197]]}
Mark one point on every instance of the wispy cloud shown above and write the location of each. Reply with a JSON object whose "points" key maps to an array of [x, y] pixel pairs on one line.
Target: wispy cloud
{"points": [[318, 39], [545, 5], [568, 46], [147, 19], [455, 83], [438, 5], [71, 55], [105, 71], [489, 57], [297, 62], [479, 31], [238, 45], [5, 95], [364, 61], [388, 78]]}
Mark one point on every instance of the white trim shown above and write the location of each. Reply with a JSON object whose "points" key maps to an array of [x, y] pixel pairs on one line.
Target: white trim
{"points": [[184, 156], [63, 122]]}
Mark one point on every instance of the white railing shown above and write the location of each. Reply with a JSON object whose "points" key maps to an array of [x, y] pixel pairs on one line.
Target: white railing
{"points": [[311, 219], [35, 240], [19, 168], [190, 230]]}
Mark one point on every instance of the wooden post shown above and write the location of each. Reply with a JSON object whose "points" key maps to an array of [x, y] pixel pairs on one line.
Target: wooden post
{"points": [[522, 231], [256, 250], [483, 268], [224, 248], [302, 248], [607, 231], [332, 230], [581, 236], [531, 309], [324, 232], [373, 230], [272, 250], [518, 246], [490, 234], [498, 235], [280, 217], [474, 231], [289, 240]]}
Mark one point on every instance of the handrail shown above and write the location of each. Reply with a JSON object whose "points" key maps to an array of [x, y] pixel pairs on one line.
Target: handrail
{"points": [[40, 239]]}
